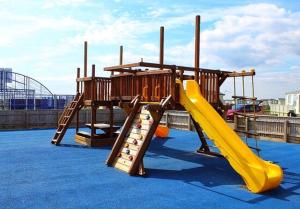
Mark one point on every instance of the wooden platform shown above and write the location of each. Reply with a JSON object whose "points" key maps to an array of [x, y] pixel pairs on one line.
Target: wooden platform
{"points": [[99, 140], [104, 127]]}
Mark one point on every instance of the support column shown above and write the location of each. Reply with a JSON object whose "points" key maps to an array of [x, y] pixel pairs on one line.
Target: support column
{"points": [[161, 46], [197, 48]]}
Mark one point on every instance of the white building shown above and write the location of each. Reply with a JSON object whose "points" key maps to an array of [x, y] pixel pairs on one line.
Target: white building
{"points": [[291, 102]]}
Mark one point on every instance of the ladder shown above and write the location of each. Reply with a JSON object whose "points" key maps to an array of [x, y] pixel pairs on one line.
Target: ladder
{"points": [[66, 118]]}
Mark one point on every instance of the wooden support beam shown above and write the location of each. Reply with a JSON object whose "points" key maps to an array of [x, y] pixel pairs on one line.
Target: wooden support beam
{"points": [[161, 48], [121, 59], [77, 82], [85, 58], [241, 74], [197, 47]]}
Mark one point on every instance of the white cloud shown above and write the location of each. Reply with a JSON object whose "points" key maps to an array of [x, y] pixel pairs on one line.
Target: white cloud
{"points": [[53, 3]]}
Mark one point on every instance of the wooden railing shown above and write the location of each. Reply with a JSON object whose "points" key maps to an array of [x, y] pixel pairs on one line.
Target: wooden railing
{"points": [[94, 88], [209, 82], [209, 85], [285, 129], [151, 85]]}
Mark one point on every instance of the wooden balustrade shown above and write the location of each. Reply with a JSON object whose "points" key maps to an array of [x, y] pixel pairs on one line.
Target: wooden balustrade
{"points": [[151, 85], [97, 88], [209, 85]]}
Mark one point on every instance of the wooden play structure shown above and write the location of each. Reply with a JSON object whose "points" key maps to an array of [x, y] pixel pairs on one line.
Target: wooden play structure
{"points": [[145, 91]]}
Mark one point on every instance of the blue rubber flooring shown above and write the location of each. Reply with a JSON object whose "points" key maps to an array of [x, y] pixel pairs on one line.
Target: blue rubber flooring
{"points": [[36, 174]]}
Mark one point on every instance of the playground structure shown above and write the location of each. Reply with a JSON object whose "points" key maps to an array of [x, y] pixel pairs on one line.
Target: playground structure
{"points": [[144, 91]]}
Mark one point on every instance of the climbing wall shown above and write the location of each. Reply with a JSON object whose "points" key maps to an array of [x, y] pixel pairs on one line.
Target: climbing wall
{"points": [[134, 140]]}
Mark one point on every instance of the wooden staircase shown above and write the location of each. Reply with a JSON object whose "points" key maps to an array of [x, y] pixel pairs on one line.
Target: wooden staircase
{"points": [[66, 118], [135, 137]]}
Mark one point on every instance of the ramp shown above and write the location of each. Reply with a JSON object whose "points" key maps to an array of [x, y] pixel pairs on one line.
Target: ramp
{"points": [[259, 175]]}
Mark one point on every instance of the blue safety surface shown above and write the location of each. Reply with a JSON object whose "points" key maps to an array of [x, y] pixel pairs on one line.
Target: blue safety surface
{"points": [[36, 174]]}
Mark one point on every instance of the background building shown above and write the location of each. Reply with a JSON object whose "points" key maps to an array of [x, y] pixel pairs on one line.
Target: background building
{"points": [[18, 91]]}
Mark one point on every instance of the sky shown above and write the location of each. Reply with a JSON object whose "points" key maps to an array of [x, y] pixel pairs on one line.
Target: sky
{"points": [[44, 38]]}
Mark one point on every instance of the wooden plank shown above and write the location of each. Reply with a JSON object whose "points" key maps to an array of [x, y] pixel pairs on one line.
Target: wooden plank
{"points": [[120, 160], [132, 152], [121, 167], [130, 146], [131, 141]]}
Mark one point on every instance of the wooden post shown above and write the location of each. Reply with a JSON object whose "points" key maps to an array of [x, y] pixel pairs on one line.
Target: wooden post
{"points": [[111, 120], [247, 121], [77, 91], [93, 83], [85, 58], [161, 48], [285, 130], [235, 121], [77, 82], [93, 121], [197, 47], [189, 122], [167, 119], [121, 56]]}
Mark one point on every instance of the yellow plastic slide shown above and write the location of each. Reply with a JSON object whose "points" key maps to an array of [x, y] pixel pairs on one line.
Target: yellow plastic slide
{"points": [[259, 175]]}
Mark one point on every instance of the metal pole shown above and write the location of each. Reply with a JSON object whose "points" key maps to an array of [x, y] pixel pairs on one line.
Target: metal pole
{"points": [[161, 47], [197, 47]]}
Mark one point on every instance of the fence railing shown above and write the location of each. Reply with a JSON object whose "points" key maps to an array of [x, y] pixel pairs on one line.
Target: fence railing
{"points": [[29, 119], [94, 88], [285, 129]]}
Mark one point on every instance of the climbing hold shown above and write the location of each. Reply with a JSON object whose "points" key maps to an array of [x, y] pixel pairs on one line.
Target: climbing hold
{"points": [[119, 154], [130, 157], [139, 125], [127, 151], [141, 137], [126, 145], [135, 142]]}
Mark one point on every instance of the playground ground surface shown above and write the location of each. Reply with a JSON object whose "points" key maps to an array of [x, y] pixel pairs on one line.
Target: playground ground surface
{"points": [[36, 174]]}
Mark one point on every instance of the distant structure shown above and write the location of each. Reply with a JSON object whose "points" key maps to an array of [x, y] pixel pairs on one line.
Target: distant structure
{"points": [[284, 106], [18, 91]]}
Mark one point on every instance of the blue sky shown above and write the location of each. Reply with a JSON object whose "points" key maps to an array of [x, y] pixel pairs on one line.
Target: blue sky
{"points": [[44, 38]]}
